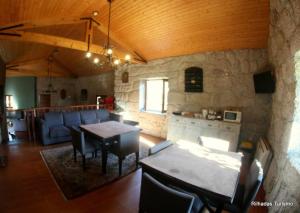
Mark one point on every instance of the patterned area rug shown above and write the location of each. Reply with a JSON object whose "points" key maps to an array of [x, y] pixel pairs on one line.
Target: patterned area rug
{"points": [[71, 178]]}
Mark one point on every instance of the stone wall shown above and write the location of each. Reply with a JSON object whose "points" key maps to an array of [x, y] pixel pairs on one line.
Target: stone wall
{"points": [[228, 82], [282, 182], [96, 85], [58, 84]]}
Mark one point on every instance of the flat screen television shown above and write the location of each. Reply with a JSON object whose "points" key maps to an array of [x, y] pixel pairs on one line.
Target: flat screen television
{"points": [[264, 82]]}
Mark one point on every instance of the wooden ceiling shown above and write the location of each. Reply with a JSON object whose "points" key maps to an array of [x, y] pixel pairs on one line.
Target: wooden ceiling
{"points": [[146, 29]]}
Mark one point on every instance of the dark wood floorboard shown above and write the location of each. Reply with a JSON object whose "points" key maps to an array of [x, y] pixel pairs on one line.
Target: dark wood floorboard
{"points": [[26, 186]]}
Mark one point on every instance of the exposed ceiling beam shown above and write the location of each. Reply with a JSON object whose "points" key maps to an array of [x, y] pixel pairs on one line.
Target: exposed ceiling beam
{"points": [[30, 24], [136, 56], [18, 65], [58, 41], [22, 72]]}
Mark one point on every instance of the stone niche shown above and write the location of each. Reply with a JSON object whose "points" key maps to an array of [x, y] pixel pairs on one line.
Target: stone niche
{"points": [[227, 82]]}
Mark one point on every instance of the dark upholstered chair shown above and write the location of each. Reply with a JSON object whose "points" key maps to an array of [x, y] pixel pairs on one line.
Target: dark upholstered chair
{"points": [[82, 145], [160, 146], [158, 198], [246, 193], [126, 144]]}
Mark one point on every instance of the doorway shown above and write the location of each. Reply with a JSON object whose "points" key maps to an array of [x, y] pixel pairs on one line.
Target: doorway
{"points": [[44, 100]]}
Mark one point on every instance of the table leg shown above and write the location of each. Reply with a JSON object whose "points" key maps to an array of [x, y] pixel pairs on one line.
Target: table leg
{"points": [[104, 160], [219, 208], [104, 156]]}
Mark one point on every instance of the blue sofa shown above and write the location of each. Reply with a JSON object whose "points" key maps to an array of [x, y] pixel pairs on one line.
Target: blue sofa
{"points": [[55, 127]]}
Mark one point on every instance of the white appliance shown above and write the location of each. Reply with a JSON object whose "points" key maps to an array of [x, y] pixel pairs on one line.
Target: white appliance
{"points": [[232, 116], [264, 154]]}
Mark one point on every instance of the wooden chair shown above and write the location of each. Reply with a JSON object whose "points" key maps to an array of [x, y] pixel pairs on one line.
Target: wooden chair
{"points": [[158, 198], [245, 194]]}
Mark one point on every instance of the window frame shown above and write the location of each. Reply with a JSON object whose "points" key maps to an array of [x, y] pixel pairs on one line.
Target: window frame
{"points": [[163, 106]]}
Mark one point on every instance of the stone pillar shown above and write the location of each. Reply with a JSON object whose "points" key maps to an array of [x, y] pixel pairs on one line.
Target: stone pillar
{"points": [[3, 129]]}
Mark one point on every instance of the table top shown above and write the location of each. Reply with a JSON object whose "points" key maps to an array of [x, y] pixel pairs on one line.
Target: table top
{"points": [[209, 169], [108, 129]]}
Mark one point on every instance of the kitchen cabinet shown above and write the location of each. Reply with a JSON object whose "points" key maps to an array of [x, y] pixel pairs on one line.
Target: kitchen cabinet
{"points": [[213, 134]]}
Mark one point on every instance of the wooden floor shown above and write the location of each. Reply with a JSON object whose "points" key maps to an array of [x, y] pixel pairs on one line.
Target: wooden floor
{"points": [[26, 186]]}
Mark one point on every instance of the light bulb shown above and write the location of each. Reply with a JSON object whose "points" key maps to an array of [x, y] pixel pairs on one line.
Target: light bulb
{"points": [[96, 60], [109, 51], [116, 61], [88, 54], [127, 57], [95, 12]]}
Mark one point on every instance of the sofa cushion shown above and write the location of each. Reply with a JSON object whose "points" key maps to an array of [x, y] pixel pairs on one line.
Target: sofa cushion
{"points": [[59, 131], [88, 115], [102, 115], [71, 119], [54, 119], [90, 121]]}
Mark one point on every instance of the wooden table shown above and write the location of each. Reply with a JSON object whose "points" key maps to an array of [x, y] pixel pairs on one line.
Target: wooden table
{"points": [[210, 173], [106, 132]]}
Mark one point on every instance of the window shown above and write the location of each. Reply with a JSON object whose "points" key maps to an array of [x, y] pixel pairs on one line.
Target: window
{"points": [[8, 100], [154, 95]]}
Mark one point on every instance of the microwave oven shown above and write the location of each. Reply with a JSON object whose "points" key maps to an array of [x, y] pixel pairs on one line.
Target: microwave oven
{"points": [[232, 116]]}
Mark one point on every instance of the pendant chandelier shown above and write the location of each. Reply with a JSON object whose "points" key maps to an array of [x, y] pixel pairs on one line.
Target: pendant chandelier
{"points": [[50, 89], [107, 58]]}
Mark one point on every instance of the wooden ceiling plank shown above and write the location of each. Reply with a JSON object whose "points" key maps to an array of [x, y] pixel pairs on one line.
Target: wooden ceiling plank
{"points": [[136, 55], [30, 24], [60, 42], [12, 73], [61, 65], [18, 63]]}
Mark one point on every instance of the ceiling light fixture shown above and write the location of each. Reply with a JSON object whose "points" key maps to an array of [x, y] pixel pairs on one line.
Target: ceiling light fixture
{"points": [[116, 62], [127, 57], [88, 54], [50, 88], [95, 13], [107, 57]]}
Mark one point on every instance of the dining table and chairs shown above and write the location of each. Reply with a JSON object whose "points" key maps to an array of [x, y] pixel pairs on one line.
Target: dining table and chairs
{"points": [[115, 137], [211, 174], [182, 176]]}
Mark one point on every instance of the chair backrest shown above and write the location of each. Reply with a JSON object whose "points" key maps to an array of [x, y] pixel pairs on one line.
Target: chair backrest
{"points": [[127, 143], [89, 117], [159, 147], [54, 119], [252, 184], [78, 139], [158, 198]]}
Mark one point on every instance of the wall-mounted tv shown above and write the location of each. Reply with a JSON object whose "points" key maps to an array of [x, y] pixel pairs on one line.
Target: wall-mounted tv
{"points": [[264, 82]]}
